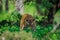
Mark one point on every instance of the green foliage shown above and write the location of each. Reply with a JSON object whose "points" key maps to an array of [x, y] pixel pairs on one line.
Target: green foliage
{"points": [[39, 18], [9, 32], [9, 28], [15, 16], [12, 31], [11, 6], [12, 21], [41, 31], [46, 4], [30, 8], [4, 16], [55, 36], [44, 11]]}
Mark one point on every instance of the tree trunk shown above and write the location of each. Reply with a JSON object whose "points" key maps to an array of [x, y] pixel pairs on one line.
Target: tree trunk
{"points": [[6, 5], [52, 12], [50, 16], [0, 5], [20, 6]]}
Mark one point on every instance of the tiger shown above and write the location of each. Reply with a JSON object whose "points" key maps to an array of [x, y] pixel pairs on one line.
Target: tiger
{"points": [[27, 20]]}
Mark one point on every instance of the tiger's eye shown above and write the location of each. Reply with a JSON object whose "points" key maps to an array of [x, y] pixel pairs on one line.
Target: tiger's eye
{"points": [[26, 20]]}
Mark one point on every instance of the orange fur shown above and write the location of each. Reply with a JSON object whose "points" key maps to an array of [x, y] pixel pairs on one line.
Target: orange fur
{"points": [[26, 20]]}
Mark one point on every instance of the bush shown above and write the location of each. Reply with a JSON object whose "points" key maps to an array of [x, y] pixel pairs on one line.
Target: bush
{"points": [[16, 36], [41, 31]]}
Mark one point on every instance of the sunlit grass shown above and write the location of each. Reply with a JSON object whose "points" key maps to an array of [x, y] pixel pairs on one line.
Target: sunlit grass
{"points": [[4, 15], [22, 35]]}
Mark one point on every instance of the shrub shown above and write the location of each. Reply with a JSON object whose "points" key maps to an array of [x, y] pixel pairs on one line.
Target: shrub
{"points": [[22, 35]]}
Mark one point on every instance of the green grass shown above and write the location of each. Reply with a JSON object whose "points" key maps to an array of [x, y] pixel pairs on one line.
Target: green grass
{"points": [[4, 16]]}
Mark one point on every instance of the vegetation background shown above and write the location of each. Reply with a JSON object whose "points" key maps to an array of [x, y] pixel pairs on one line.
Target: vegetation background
{"points": [[45, 12]]}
